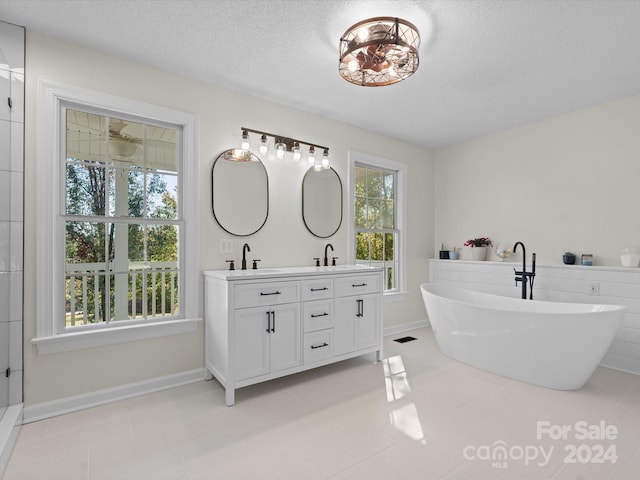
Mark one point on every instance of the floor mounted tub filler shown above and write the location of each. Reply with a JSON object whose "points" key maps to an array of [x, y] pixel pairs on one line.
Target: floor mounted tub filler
{"points": [[551, 344]]}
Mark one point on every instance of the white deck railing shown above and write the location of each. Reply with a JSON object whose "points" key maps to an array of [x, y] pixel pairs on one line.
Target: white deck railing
{"points": [[81, 278]]}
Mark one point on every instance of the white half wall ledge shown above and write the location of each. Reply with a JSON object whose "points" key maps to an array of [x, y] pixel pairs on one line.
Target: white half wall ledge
{"points": [[10, 425], [54, 408]]}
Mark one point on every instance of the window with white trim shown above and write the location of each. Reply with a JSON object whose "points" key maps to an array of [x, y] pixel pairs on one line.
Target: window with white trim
{"points": [[121, 217], [117, 231], [377, 217]]}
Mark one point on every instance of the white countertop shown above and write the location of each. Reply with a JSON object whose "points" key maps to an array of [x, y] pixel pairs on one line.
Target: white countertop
{"points": [[279, 272]]}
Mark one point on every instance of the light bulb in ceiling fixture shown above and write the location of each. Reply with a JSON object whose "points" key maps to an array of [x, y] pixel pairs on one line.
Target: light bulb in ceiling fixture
{"points": [[280, 149], [263, 145], [312, 156], [296, 152], [325, 159], [363, 33], [245, 141]]}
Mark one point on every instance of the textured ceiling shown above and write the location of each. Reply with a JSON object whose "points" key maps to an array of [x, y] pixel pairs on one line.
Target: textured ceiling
{"points": [[485, 65]]}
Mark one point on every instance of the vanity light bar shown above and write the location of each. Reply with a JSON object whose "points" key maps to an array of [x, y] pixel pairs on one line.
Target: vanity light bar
{"points": [[282, 145]]}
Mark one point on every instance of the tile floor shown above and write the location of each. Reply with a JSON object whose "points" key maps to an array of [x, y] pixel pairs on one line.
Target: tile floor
{"points": [[417, 415]]}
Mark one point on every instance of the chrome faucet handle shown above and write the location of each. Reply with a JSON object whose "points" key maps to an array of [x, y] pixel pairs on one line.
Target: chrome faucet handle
{"points": [[231, 264], [317, 259], [255, 264]]}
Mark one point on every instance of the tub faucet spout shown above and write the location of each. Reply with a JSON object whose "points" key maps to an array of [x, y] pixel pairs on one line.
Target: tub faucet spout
{"points": [[523, 276]]}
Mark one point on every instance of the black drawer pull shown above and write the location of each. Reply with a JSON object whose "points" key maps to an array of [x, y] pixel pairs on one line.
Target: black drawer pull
{"points": [[262, 294], [359, 285], [325, 344], [319, 289], [314, 315]]}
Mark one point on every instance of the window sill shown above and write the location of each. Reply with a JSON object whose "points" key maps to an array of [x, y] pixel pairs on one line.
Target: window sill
{"points": [[66, 342], [394, 297]]}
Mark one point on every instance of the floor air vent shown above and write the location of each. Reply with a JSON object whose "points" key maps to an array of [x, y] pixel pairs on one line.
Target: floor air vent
{"points": [[405, 339]]}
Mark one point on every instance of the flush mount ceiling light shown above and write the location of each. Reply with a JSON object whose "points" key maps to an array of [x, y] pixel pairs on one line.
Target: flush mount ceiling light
{"points": [[379, 51]]}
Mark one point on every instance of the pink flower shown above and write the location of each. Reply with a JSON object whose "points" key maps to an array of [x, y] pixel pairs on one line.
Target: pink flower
{"points": [[478, 242]]}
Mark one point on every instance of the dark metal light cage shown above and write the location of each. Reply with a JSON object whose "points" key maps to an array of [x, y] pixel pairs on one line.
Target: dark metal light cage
{"points": [[379, 51]]}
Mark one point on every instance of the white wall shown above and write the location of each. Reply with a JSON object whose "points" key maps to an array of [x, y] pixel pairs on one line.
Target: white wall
{"points": [[283, 241], [569, 183]]}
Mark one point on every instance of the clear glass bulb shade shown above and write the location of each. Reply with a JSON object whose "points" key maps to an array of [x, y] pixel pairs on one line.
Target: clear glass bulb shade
{"points": [[296, 153], [245, 145], [281, 148], [264, 148]]}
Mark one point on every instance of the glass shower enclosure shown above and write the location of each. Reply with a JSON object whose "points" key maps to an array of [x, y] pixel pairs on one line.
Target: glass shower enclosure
{"points": [[12, 66]]}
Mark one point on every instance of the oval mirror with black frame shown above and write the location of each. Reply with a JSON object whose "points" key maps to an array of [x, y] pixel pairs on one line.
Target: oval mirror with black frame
{"points": [[239, 192], [322, 201]]}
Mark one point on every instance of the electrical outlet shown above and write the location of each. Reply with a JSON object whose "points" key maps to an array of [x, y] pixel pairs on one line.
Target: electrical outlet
{"points": [[226, 245], [594, 288]]}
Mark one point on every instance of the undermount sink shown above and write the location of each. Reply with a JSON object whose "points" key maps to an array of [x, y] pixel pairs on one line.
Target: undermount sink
{"points": [[252, 271], [345, 267]]}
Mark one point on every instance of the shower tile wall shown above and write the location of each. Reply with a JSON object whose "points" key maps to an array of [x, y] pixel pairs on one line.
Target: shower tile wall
{"points": [[11, 210]]}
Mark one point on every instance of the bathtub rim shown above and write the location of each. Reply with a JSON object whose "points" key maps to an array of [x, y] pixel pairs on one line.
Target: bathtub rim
{"points": [[581, 308]]}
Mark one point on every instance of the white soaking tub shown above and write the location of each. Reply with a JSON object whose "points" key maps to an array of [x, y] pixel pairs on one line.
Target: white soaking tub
{"points": [[551, 344]]}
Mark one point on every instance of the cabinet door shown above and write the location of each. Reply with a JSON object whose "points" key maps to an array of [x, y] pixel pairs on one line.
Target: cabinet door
{"points": [[284, 337], [251, 341], [345, 338], [356, 324], [368, 322]]}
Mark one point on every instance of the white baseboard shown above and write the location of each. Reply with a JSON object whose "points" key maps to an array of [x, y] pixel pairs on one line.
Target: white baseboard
{"points": [[405, 327], [40, 411], [9, 428]]}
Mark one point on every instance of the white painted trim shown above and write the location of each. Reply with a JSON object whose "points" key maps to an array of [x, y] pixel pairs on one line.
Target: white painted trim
{"points": [[75, 403], [109, 336], [401, 207], [405, 327], [10, 425], [394, 297], [50, 267]]}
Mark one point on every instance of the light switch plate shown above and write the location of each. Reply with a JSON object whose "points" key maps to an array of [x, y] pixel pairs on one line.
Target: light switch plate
{"points": [[226, 245]]}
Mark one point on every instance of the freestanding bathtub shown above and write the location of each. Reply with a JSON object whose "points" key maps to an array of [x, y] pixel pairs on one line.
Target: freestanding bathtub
{"points": [[551, 344]]}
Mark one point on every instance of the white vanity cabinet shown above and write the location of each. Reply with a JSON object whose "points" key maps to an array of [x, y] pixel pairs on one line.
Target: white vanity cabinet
{"points": [[267, 339], [357, 307], [261, 325]]}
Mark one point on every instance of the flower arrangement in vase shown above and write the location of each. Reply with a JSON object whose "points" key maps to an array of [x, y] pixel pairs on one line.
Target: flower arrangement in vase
{"points": [[503, 252], [478, 247]]}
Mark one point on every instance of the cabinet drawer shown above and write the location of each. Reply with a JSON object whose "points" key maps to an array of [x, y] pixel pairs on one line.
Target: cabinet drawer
{"points": [[318, 346], [357, 284], [318, 315], [268, 293], [317, 288]]}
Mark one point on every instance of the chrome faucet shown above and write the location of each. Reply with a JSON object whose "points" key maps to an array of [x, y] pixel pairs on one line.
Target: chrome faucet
{"points": [[326, 258], [245, 249], [523, 276]]}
